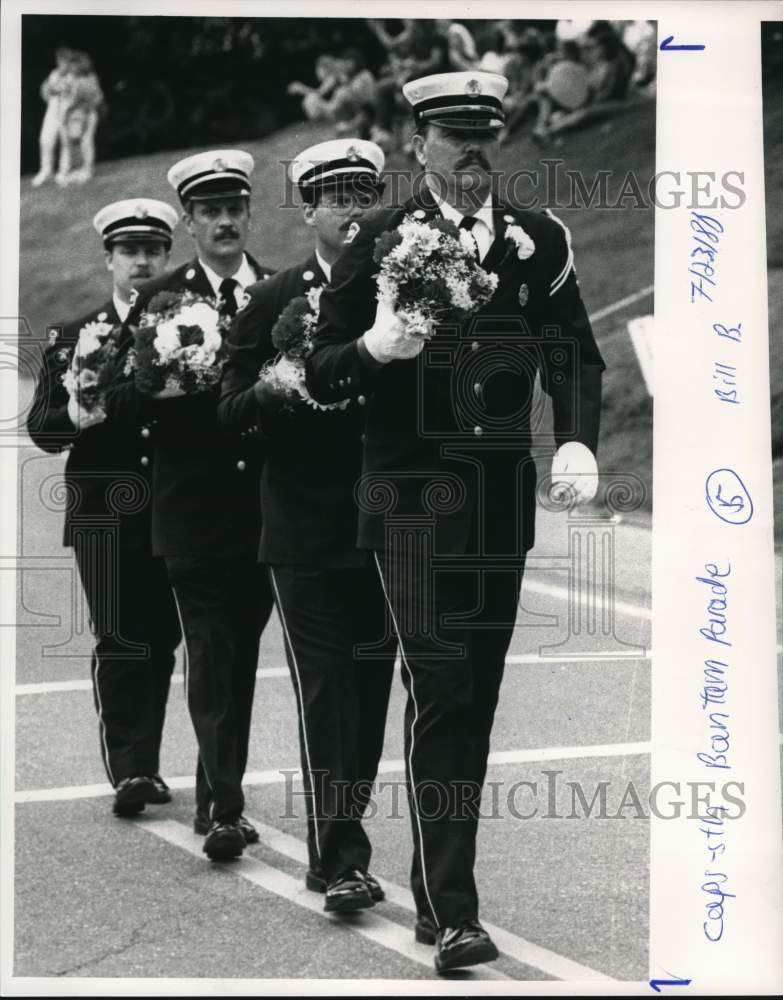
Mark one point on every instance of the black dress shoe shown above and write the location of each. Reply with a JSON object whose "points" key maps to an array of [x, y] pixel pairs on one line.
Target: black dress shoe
{"points": [[425, 931], [224, 841], [315, 882], [201, 822], [248, 830], [162, 791], [466, 944], [348, 893], [375, 887], [132, 794]]}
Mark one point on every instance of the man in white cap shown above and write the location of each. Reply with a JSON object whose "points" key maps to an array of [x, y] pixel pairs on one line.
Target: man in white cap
{"points": [[449, 481], [205, 503], [339, 648], [107, 522]]}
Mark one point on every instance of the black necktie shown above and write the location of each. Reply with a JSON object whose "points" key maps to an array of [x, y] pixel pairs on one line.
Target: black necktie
{"points": [[467, 222], [228, 302]]}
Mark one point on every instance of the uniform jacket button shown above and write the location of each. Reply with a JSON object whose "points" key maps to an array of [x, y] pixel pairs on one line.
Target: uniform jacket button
{"points": [[477, 387], [145, 460], [241, 465], [474, 346], [478, 431], [341, 382], [361, 400], [145, 432]]}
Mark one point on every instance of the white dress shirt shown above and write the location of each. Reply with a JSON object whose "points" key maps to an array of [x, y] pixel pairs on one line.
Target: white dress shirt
{"points": [[326, 268], [244, 276], [123, 308], [484, 229]]}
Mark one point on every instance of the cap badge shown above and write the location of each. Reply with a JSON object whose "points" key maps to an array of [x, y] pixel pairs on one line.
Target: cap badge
{"points": [[524, 294], [141, 212], [415, 94], [473, 87], [350, 236], [218, 164], [352, 153]]}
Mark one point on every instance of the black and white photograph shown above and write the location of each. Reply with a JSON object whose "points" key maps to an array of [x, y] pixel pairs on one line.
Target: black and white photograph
{"points": [[333, 451]]}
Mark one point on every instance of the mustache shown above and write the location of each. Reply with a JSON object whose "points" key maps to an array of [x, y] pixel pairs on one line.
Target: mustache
{"points": [[228, 233], [474, 156]]}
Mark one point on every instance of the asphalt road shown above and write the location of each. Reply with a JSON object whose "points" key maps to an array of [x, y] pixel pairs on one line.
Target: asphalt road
{"points": [[565, 898]]}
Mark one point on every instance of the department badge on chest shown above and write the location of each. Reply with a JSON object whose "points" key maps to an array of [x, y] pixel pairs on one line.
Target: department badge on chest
{"points": [[524, 294]]}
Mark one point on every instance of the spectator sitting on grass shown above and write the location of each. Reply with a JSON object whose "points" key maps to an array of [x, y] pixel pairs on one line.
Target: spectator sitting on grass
{"points": [[419, 50], [346, 95]]}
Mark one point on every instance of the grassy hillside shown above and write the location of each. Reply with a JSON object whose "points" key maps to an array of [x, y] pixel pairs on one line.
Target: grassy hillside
{"points": [[62, 272]]}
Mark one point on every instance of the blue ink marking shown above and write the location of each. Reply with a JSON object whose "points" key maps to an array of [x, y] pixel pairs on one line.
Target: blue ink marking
{"points": [[733, 508], [715, 910], [656, 984], [666, 46], [706, 232]]}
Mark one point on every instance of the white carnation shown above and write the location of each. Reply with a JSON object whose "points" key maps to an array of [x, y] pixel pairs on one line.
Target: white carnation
{"points": [[167, 340], [199, 314]]}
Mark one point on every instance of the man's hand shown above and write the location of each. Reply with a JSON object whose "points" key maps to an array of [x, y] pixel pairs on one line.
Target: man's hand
{"points": [[387, 341], [81, 418], [169, 392], [574, 472], [273, 395]]}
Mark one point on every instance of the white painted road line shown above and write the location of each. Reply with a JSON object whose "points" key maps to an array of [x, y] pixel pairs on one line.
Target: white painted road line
{"points": [[510, 944], [565, 594], [622, 303], [515, 660], [281, 775], [370, 925]]}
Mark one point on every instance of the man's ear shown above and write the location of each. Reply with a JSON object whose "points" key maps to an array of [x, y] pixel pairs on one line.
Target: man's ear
{"points": [[308, 214], [109, 262], [187, 220], [419, 144]]}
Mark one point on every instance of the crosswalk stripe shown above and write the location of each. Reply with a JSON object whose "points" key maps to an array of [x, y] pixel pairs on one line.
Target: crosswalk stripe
{"points": [[510, 944], [280, 775], [370, 925]]}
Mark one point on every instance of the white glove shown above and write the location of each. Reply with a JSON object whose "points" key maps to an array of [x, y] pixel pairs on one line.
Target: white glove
{"points": [[81, 418], [169, 392], [574, 472], [387, 341]]}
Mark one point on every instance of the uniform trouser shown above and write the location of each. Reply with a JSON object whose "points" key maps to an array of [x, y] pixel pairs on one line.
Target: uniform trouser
{"points": [[134, 620], [224, 604], [341, 656], [452, 671]]}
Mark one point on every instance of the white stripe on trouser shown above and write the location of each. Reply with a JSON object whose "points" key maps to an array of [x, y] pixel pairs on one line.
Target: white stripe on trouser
{"points": [[299, 705], [185, 674], [101, 723], [404, 659], [97, 690]]}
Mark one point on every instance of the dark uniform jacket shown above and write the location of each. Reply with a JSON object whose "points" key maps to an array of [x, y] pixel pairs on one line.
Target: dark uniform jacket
{"points": [[205, 492], [312, 457], [448, 433], [105, 483]]}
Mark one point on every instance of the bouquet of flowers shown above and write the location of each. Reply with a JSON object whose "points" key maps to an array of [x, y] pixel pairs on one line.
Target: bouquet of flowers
{"points": [[429, 275], [178, 345], [92, 364], [292, 335]]}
